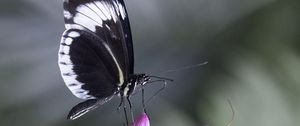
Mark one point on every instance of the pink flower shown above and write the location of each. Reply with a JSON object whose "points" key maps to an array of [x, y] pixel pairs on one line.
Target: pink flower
{"points": [[142, 120]]}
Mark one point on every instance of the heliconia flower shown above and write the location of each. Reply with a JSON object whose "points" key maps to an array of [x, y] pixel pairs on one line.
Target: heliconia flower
{"points": [[141, 120]]}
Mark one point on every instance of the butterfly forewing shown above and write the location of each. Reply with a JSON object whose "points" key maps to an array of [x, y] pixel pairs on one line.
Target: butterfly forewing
{"points": [[127, 35], [96, 53]]}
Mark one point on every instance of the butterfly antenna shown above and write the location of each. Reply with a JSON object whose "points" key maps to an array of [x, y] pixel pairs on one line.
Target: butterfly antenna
{"points": [[161, 78], [184, 68]]}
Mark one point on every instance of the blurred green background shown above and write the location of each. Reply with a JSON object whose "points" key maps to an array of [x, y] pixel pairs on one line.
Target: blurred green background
{"points": [[252, 47]]}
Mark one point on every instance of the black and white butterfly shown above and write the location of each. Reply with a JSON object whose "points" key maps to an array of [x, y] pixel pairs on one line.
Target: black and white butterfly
{"points": [[96, 53]]}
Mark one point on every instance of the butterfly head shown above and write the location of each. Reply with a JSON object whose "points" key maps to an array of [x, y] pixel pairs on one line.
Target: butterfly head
{"points": [[142, 79]]}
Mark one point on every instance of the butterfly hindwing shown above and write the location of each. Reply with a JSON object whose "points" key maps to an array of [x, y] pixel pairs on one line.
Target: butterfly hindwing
{"points": [[86, 106], [82, 108]]}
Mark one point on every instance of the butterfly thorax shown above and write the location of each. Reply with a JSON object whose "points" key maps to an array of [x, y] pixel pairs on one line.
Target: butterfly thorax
{"points": [[134, 81]]}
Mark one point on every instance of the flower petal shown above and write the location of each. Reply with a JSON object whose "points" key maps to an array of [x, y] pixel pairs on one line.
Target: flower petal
{"points": [[142, 120]]}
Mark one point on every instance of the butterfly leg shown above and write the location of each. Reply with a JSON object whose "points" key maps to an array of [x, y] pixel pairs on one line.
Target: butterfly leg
{"points": [[125, 113], [130, 108], [143, 100], [157, 92], [122, 103]]}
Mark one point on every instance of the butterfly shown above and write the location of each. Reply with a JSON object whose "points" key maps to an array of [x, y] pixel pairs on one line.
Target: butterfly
{"points": [[95, 56]]}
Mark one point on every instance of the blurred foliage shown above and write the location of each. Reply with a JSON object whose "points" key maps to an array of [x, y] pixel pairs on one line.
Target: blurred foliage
{"points": [[252, 48]]}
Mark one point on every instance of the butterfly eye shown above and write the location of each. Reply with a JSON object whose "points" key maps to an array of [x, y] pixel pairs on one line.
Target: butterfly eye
{"points": [[147, 79]]}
